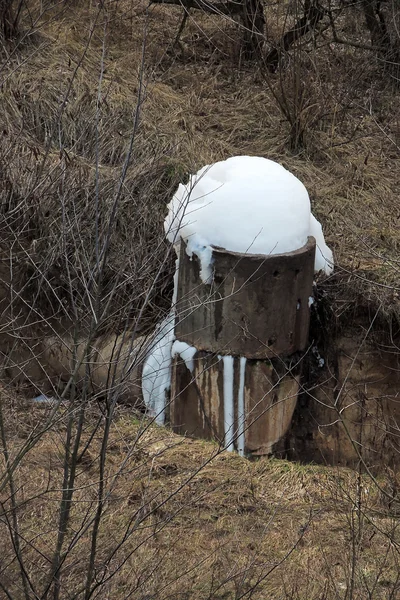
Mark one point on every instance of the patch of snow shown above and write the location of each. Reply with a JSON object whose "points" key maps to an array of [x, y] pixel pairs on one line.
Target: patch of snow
{"points": [[44, 399], [156, 374], [186, 352], [195, 245], [244, 204]]}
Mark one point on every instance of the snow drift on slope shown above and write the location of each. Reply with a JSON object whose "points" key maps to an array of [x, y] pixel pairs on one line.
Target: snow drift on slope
{"points": [[244, 204]]}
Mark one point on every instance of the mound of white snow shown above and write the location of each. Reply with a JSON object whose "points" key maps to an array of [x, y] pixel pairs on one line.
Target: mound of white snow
{"points": [[244, 204]]}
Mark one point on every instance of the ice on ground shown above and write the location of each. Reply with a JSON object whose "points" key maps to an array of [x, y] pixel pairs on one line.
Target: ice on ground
{"points": [[156, 374], [244, 204], [44, 399], [186, 352]]}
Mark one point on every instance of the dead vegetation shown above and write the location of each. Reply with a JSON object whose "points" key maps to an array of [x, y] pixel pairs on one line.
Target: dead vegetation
{"points": [[103, 112], [178, 526], [75, 98]]}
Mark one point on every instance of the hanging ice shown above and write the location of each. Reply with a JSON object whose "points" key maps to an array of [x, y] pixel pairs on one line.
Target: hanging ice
{"points": [[323, 254], [229, 421], [156, 374], [241, 407], [186, 352]]}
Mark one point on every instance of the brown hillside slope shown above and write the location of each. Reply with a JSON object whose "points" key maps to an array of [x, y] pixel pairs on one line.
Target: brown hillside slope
{"points": [[73, 87]]}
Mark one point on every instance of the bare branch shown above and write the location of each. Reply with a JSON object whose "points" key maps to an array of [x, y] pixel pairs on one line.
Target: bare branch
{"points": [[215, 8]]}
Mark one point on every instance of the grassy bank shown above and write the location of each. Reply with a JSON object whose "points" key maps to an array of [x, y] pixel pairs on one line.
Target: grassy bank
{"points": [[101, 111], [182, 520]]}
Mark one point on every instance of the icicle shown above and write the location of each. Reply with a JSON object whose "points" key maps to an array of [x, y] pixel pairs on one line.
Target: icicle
{"points": [[241, 409], [228, 402], [156, 375], [186, 352], [205, 256], [176, 279]]}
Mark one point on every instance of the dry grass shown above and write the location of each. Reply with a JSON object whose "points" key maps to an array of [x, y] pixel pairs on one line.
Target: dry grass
{"points": [[189, 532], [199, 104], [293, 532]]}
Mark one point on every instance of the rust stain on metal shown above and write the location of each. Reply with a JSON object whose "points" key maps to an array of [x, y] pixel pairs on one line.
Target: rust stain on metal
{"points": [[196, 398], [197, 406], [270, 401]]}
